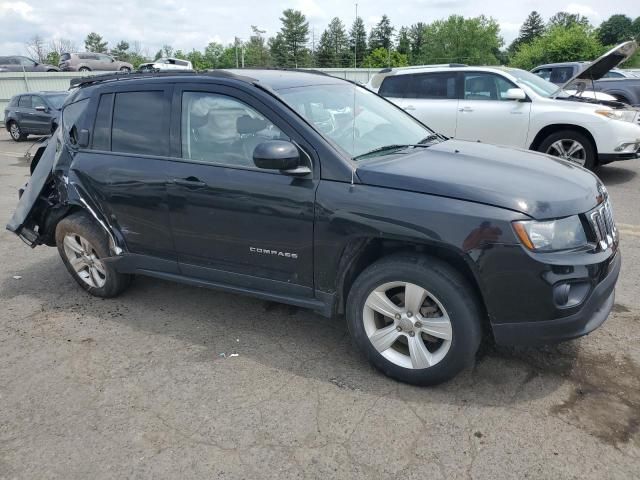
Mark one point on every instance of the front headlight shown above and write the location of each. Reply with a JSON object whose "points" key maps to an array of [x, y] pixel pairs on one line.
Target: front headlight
{"points": [[624, 115], [551, 235]]}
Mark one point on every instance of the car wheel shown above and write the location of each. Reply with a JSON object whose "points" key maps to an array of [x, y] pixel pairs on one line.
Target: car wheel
{"points": [[52, 70], [83, 247], [84, 69], [16, 132], [572, 146], [125, 69], [415, 318]]}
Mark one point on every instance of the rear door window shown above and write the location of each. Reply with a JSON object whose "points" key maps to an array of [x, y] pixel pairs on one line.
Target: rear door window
{"points": [[38, 102], [71, 116], [561, 75], [25, 101], [437, 86], [140, 123]]}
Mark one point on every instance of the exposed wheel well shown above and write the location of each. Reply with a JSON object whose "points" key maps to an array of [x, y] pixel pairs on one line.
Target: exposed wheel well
{"points": [[550, 129], [362, 253]]}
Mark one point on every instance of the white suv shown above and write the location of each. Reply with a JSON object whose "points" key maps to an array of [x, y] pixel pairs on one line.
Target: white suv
{"points": [[513, 107]]}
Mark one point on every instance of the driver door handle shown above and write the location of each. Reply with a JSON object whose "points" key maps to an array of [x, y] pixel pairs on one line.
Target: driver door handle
{"points": [[189, 182], [465, 109]]}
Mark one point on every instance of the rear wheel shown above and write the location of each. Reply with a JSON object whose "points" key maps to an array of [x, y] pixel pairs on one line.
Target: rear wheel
{"points": [[84, 69], [16, 132], [415, 318], [572, 146], [83, 247], [125, 69]]}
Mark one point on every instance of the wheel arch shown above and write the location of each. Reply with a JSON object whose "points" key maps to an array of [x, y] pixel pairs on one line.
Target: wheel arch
{"points": [[557, 127], [362, 252]]}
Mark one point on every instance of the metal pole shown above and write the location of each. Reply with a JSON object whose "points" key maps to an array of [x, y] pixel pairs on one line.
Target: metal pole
{"points": [[355, 45], [236, 42]]}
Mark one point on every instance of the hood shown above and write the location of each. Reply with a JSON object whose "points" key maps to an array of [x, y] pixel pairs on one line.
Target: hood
{"points": [[528, 182], [599, 67]]}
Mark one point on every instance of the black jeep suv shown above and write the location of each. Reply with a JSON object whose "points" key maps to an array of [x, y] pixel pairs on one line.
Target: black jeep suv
{"points": [[301, 188]]}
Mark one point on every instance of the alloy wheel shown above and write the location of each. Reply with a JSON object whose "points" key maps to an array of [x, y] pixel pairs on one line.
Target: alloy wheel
{"points": [[14, 131], [568, 149], [84, 260], [407, 325]]}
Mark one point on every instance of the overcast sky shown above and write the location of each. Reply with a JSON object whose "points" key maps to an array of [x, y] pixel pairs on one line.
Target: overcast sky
{"points": [[191, 24]]}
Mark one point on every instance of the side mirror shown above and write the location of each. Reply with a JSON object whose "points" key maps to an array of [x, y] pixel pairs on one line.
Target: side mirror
{"points": [[83, 138], [516, 94], [279, 155], [41, 108]]}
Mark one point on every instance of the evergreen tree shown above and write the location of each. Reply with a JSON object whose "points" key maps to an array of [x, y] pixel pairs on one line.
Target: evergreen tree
{"points": [[358, 41], [416, 40], [404, 43], [121, 52], [566, 20], [381, 35], [324, 53], [256, 51], [532, 28], [94, 43], [294, 35], [277, 50]]}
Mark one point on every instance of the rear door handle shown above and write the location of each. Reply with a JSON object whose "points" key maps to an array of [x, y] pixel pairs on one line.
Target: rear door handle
{"points": [[465, 109], [189, 182], [409, 107]]}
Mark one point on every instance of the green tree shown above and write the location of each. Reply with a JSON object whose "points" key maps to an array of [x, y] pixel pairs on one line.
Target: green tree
{"points": [[382, 57], [121, 51], [404, 42], [197, 60], [559, 44], [616, 29], [381, 36], [213, 54], [167, 51], [256, 51], [158, 55], [416, 40], [277, 50], [95, 43], [333, 49], [294, 36], [531, 29], [636, 28], [358, 41], [462, 40], [566, 20]]}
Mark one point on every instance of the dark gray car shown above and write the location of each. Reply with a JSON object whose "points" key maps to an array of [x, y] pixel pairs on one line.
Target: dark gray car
{"points": [[89, 61], [35, 113], [17, 63]]}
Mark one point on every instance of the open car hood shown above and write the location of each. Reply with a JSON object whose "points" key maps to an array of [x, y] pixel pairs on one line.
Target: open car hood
{"points": [[599, 67]]}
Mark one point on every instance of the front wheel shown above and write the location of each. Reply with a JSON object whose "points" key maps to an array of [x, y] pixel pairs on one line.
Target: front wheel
{"points": [[415, 318], [84, 69], [572, 146], [125, 69], [83, 247]]}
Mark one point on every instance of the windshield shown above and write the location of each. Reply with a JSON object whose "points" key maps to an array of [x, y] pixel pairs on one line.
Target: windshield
{"points": [[539, 85], [56, 101], [354, 118]]}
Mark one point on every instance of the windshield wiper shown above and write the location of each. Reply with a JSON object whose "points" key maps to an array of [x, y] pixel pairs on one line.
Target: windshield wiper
{"points": [[430, 138], [390, 147]]}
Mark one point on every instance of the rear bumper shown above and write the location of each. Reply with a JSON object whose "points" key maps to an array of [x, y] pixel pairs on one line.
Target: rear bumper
{"points": [[593, 313]]}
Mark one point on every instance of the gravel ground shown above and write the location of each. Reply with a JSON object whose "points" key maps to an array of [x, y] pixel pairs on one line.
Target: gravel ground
{"points": [[138, 386]]}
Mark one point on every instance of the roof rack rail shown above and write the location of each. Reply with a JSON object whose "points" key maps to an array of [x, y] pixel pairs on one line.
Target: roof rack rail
{"points": [[116, 76]]}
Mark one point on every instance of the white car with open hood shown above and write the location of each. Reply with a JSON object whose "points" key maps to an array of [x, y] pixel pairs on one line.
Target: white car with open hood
{"points": [[166, 64], [509, 106]]}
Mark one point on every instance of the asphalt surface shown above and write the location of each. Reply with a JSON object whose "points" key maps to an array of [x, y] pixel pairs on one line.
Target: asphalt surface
{"points": [[145, 385]]}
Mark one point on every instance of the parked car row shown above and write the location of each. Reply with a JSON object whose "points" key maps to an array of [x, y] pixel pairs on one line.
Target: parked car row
{"points": [[19, 63], [513, 107]]}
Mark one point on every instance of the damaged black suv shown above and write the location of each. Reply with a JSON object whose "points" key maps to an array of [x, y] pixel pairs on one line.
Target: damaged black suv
{"points": [[301, 188]]}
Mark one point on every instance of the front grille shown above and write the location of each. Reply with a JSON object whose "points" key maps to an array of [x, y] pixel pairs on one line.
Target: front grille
{"points": [[603, 226]]}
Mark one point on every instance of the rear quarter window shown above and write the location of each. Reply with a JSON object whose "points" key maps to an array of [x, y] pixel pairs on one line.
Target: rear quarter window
{"points": [[396, 86], [72, 116], [14, 102]]}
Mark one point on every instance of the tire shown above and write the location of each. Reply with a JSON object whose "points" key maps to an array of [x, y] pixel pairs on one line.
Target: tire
{"points": [[82, 243], [564, 140], [52, 70], [452, 345], [15, 132], [125, 69], [84, 69]]}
